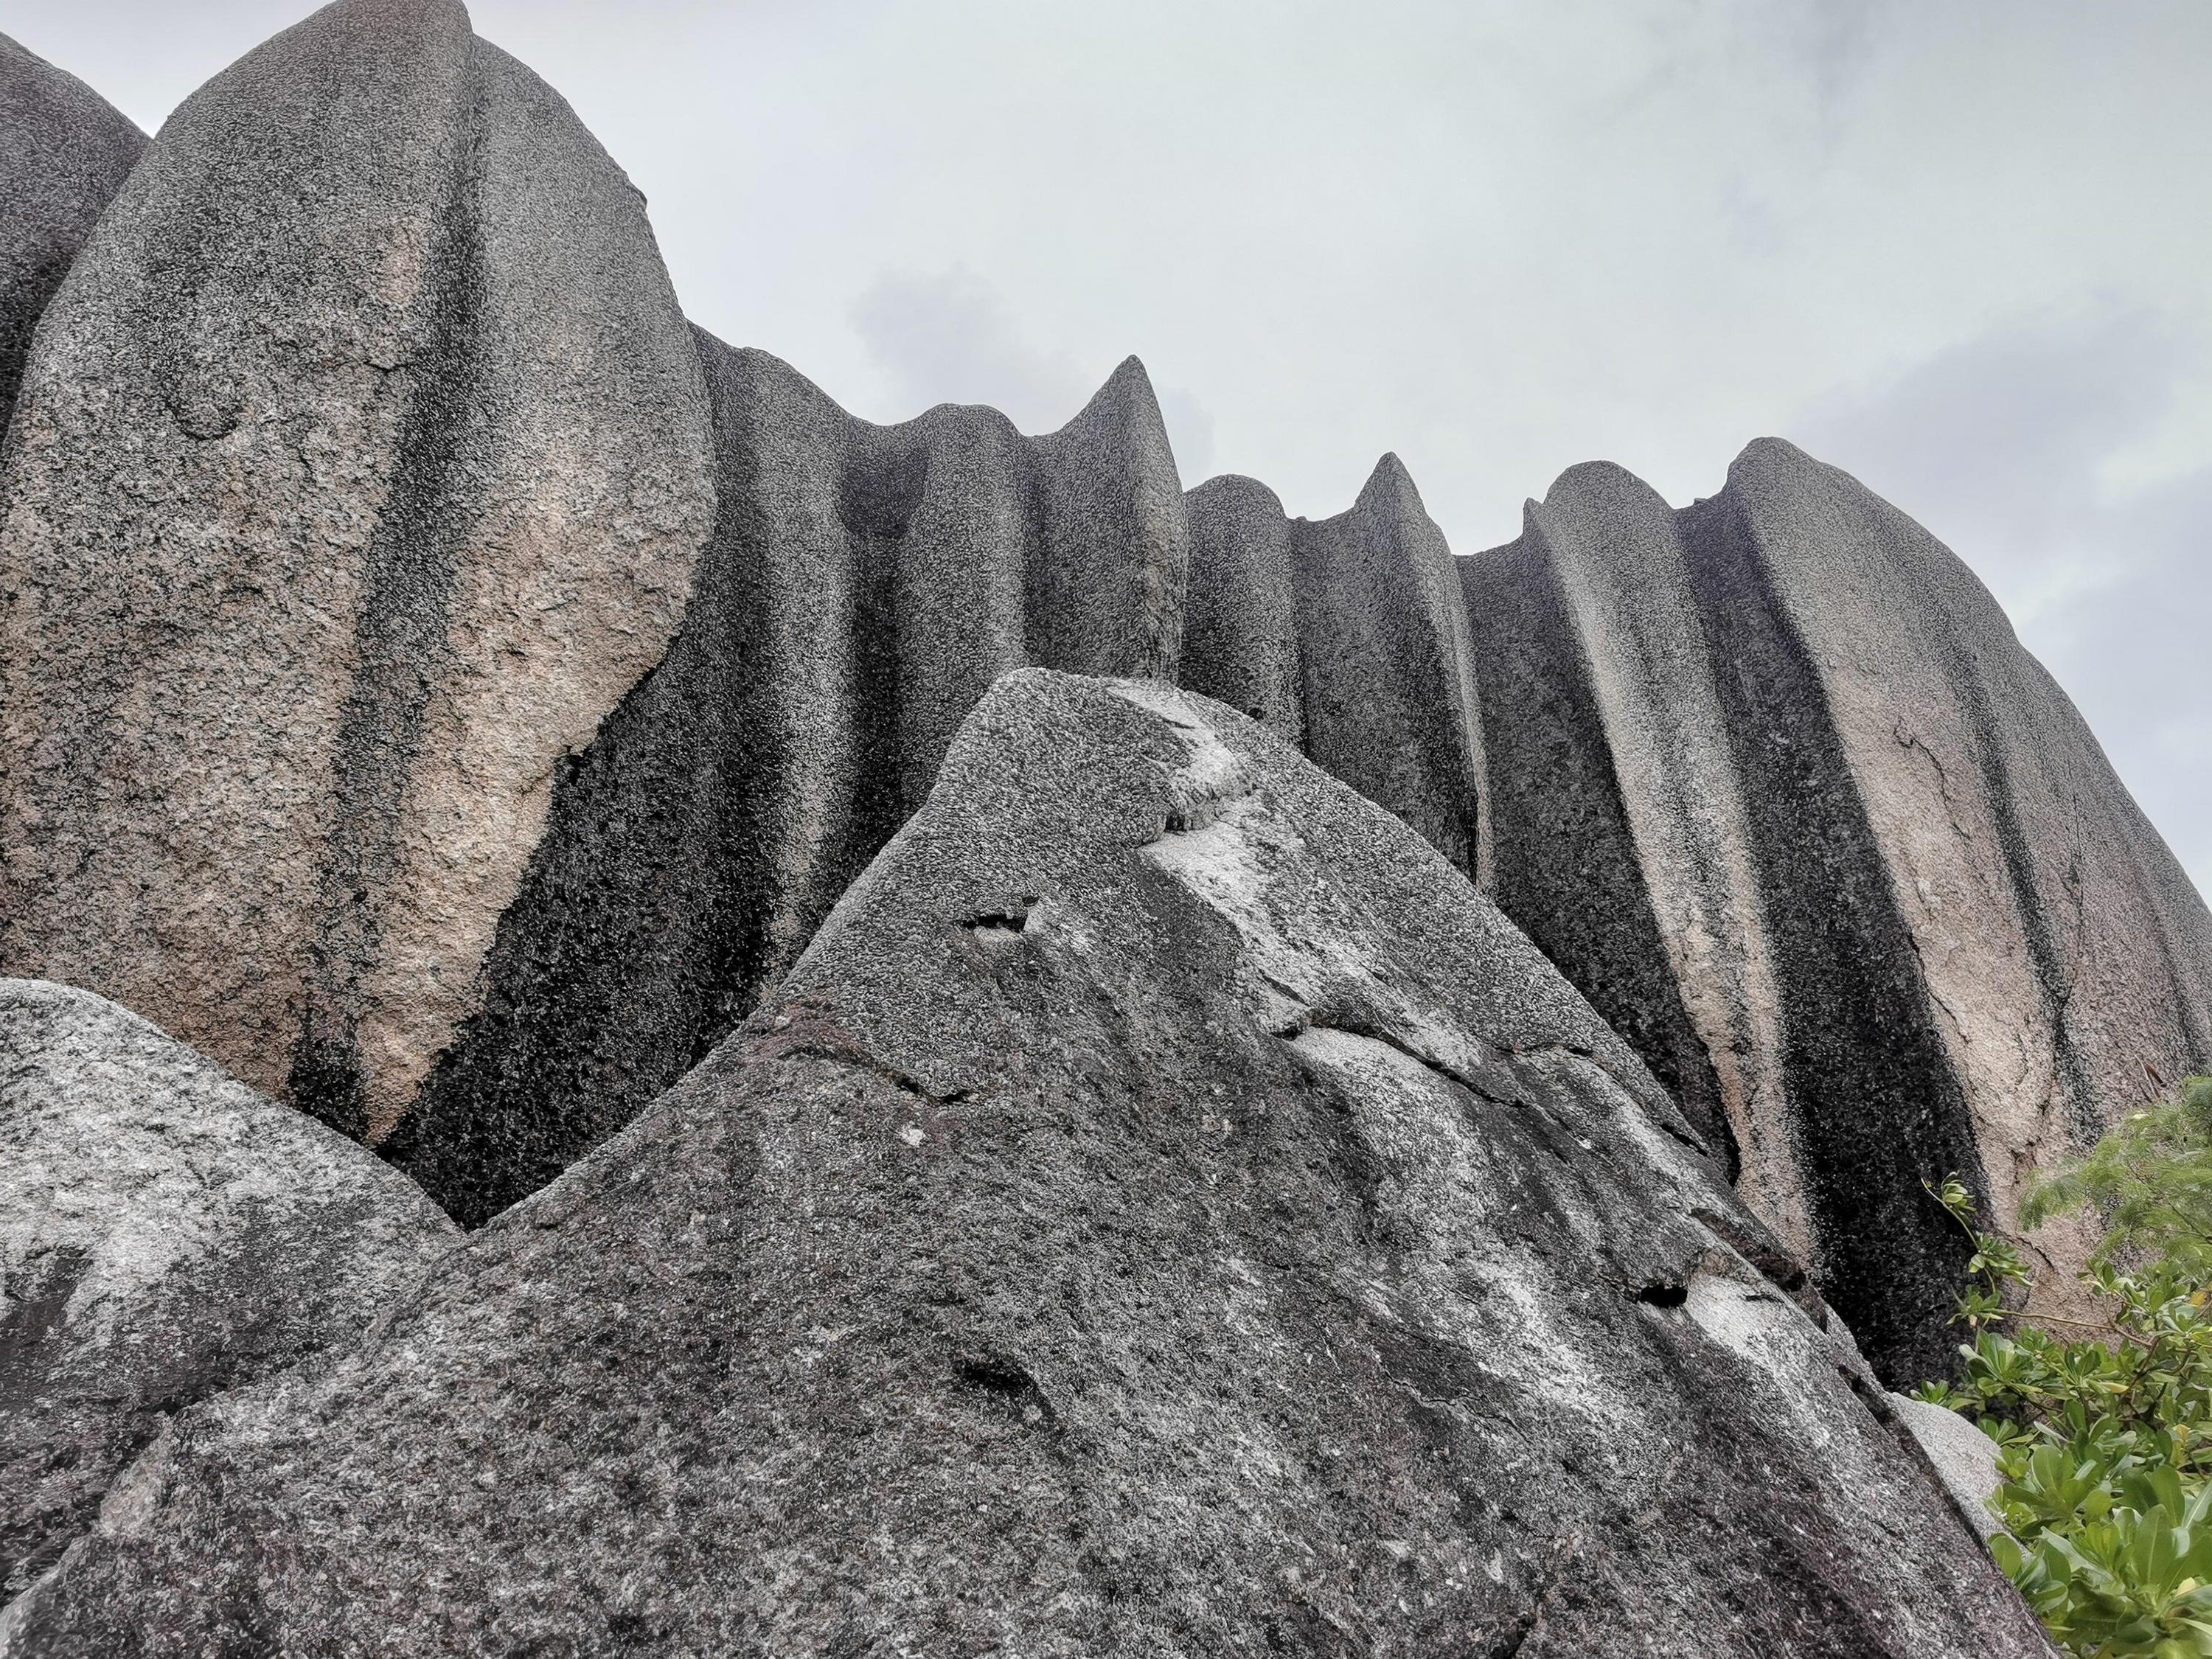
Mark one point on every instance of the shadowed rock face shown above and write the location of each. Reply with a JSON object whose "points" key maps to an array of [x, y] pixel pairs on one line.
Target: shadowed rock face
{"points": [[1349, 635], [360, 469], [165, 1233], [1785, 744], [64, 151], [863, 587], [1166, 1209]]}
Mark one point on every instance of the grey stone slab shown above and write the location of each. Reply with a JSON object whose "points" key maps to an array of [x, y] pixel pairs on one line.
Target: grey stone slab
{"points": [[165, 1233], [1961, 1458], [1166, 1210]]}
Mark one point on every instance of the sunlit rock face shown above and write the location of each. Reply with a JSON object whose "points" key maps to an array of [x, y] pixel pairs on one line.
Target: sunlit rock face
{"points": [[1166, 1209], [165, 1233], [1778, 786], [64, 151]]}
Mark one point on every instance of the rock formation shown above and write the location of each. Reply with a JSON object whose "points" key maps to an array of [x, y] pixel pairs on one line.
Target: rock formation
{"points": [[359, 469], [1351, 636], [1166, 1209], [1777, 786], [461, 728], [64, 151], [450, 692], [165, 1233], [863, 587]]}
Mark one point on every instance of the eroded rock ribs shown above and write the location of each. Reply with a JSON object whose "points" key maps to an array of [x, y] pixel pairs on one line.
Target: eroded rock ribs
{"points": [[443, 686]]}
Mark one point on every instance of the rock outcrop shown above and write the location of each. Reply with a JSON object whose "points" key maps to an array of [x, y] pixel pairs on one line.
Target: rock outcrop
{"points": [[1777, 786], [359, 470], [165, 1233], [1166, 1209], [1348, 634], [864, 587], [447, 690], [413, 696], [64, 151]]}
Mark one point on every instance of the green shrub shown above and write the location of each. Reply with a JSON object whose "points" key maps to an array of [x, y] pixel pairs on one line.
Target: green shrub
{"points": [[2151, 1180], [2104, 1436]]}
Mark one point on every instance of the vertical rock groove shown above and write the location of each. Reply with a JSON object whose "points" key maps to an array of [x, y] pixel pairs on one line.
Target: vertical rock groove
{"points": [[401, 652], [1566, 856], [1872, 1099]]}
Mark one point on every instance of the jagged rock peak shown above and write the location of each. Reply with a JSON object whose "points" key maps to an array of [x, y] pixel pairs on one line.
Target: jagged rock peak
{"points": [[1776, 784], [1166, 1210], [165, 1233], [64, 151]]}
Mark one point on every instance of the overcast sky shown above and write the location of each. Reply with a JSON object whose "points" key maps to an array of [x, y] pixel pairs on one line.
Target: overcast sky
{"points": [[1962, 247]]}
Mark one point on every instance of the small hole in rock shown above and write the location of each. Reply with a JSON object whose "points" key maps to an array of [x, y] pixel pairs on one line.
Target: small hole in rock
{"points": [[996, 1373], [1664, 1295]]}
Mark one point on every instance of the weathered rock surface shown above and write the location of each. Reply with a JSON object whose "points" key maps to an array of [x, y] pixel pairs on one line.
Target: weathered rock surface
{"points": [[359, 469], [863, 586], [1963, 1459], [1349, 635], [64, 151], [1776, 785], [1166, 1209], [450, 692], [165, 1233], [414, 692]]}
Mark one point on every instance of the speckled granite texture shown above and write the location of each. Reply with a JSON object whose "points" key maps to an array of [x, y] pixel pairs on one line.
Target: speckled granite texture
{"points": [[1776, 785], [165, 1233], [1166, 1210], [64, 151], [449, 690]]}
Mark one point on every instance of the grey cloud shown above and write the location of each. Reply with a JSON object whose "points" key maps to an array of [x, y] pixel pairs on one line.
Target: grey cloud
{"points": [[1190, 429], [950, 337]]}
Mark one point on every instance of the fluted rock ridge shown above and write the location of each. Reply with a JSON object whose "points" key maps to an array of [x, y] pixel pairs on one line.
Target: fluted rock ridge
{"points": [[1166, 1209], [1347, 634], [1783, 746], [360, 467], [444, 687], [864, 587], [64, 151]]}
